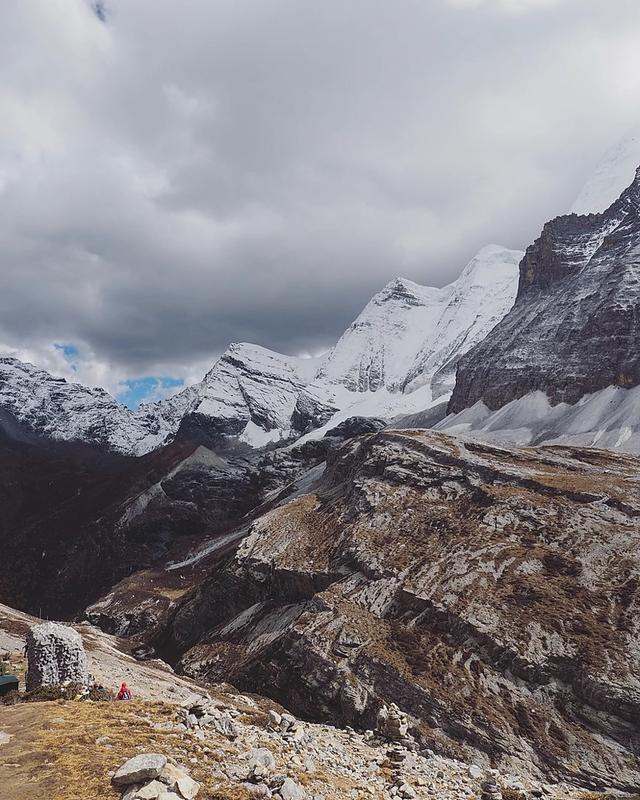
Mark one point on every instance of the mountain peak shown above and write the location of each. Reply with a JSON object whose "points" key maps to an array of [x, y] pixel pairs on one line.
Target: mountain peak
{"points": [[611, 177]]}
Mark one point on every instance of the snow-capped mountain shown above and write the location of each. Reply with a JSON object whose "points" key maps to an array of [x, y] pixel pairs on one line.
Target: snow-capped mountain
{"points": [[56, 409], [250, 392], [396, 358], [611, 177], [563, 365], [574, 328], [475, 303], [409, 333], [400, 354]]}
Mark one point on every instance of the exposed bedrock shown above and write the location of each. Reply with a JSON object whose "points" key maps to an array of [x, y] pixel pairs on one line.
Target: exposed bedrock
{"points": [[491, 593]]}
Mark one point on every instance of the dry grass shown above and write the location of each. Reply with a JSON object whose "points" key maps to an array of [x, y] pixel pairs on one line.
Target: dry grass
{"points": [[66, 758], [55, 750]]}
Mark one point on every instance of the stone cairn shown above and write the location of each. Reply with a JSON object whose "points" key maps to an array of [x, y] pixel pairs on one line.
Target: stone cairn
{"points": [[393, 725], [55, 655], [490, 790]]}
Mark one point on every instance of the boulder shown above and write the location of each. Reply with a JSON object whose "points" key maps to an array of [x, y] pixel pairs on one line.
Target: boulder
{"points": [[187, 787], [139, 769], [151, 791], [290, 790], [55, 654]]}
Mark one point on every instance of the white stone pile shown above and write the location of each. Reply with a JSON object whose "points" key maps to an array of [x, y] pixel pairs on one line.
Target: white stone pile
{"points": [[201, 711], [151, 776]]}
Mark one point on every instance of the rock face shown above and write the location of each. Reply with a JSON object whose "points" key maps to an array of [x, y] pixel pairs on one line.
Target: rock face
{"points": [[574, 328], [490, 593], [55, 654]]}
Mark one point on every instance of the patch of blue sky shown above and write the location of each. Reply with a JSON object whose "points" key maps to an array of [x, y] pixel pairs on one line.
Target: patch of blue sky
{"points": [[147, 389], [70, 353]]}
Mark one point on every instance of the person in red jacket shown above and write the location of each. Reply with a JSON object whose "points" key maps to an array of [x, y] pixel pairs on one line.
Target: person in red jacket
{"points": [[124, 693]]}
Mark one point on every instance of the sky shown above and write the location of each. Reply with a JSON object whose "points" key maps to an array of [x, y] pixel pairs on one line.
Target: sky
{"points": [[178, 176]]}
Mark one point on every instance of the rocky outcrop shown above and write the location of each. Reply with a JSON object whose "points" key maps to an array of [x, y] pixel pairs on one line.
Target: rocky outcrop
{"points": [[489, 592], [574, 328], [55, 655]]}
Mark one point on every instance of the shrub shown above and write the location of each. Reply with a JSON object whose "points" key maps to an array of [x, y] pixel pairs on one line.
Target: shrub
{"points": [[99, 693], [10, 698], [55, 692]]}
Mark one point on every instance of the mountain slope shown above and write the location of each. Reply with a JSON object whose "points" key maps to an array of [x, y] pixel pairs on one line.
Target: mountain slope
{"points": [[607, 419], [575, 326], [490, 592]]}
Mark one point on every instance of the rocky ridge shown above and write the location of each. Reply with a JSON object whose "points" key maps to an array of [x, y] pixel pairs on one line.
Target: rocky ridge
{"points": [[489, 592], [574, 326]]}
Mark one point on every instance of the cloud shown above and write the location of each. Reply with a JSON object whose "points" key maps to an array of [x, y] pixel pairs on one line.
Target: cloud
{"points": [[174, 177]]}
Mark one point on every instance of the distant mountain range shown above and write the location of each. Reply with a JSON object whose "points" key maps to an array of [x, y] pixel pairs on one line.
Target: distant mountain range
{"points": [[397, 357], [536, 340]]}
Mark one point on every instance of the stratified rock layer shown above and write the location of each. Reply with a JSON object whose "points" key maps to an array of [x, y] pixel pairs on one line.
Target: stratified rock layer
{"points": [[575, 326], [55, 654], [490, 593]]}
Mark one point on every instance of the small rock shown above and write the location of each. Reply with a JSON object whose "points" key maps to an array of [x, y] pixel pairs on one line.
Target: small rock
{"points": [[256, 789], [286, 722], [274, 718], [298, 733], [475, 772], [187, 787], [290, 790], [151, 791], [169, 775], [225, 726], [261, 757], [140, 768]]}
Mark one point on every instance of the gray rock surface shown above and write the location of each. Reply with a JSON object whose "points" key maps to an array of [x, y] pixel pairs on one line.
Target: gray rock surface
{"points": [[55, 654], [574, 328], [488, 592], [139, 769]]}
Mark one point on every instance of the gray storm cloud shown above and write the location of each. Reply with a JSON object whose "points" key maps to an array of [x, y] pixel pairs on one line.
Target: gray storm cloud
{"points": [[175, 176]]}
